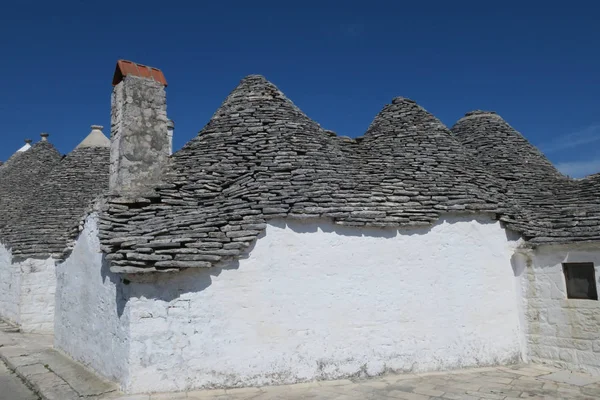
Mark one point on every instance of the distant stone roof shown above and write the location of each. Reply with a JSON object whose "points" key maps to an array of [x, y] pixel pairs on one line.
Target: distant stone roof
{"points": [[20, 177], [54, 212], [260, 157], [548, 207]]}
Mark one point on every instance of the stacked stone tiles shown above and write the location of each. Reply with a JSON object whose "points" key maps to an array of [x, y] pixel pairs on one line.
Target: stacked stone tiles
{"points": [[20, 178], [54, 214], [260, 158], [548, 207]]}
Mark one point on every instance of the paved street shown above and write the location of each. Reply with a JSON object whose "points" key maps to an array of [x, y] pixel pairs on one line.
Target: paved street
{"points": [[531, 382], [12, 388]]}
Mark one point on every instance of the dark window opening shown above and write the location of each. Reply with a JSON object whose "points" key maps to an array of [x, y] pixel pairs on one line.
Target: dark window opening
{"points": [[581, 280]]}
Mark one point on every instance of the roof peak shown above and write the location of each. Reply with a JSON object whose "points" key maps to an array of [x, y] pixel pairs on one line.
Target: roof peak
{"points": [[95, 138], [26, 146], [400, 99], [481, 113]]}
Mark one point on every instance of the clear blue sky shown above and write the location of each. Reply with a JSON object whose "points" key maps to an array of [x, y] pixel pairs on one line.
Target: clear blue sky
{"points": [[538, 65]]}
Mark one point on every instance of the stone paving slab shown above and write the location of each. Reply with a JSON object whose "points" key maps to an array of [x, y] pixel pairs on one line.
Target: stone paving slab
{"points": [[516, 382], [46, 371], [56, 377], [572, 378], [12, 388]]}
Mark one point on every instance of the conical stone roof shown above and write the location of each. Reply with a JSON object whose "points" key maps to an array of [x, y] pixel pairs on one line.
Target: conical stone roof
{"points": [[95, 139], [505, 152], [53, 216], [20, 178], [260, 158], [547, 207]]}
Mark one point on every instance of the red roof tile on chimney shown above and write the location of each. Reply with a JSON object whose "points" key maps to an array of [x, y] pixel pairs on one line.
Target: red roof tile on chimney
{"points": [[125, 68]]}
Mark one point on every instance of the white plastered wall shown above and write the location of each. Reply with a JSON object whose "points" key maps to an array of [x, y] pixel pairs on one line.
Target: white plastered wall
{"points": [[560, 331], [90, 322], [10, 287], [38, 285], [310, 301], [27, 292]]}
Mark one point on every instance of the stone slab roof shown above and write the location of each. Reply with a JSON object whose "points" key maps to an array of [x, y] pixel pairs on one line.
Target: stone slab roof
{"points": [[54, 214], [549, 207], [260, 157], [47, 195], [20, 177]]}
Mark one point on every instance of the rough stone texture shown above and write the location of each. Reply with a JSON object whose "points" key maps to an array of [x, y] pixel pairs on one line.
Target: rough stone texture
{"points": [[260, 157], [140, 143], [20, 177], [54, 215], [547, 207], [560, 331]]}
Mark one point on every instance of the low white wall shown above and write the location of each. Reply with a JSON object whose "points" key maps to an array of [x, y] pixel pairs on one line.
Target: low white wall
{"points": [[563, 332], [91, 322], [317, 301], [10, 287], [310, 301], [38, 284], [27, 292]]}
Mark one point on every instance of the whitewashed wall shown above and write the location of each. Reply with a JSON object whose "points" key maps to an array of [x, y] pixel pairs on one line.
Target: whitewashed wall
{"points": [[10, 287], [27, 292], [38, 284], [90, 326], [563, 332], [316, 301], [310, 301]]}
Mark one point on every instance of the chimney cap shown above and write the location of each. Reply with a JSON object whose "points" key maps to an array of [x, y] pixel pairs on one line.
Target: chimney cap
{"points": [[44, 136], [125, 67], [98, 127], [28, 141], [170, 124]]}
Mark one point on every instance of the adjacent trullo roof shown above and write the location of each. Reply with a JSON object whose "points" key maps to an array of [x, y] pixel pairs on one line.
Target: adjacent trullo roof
{"points": [[53, 214], [19, 178], [260, 157], [21, 150], [549, 206]]}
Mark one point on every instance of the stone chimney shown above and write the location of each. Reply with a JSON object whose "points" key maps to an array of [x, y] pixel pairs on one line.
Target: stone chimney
{"points": [[170, 131], [139, 138], [44, 136]]}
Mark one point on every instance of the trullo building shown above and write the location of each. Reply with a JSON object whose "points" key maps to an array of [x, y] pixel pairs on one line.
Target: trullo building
{"points": [[268, 250]]}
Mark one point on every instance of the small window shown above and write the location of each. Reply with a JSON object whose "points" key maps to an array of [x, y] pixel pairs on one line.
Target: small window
{"points": [[581, 281]]}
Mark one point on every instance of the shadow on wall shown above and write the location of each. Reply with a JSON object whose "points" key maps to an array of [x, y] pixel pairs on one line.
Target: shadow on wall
{"points": [[327, 225], [168, 286], [164, 286], [518, 262]]}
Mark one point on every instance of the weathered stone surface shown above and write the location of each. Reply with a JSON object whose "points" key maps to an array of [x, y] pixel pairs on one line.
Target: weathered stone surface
{"points": [[260, 157], [546, 207], [20, 178], [56, 205], [140, 144]]}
